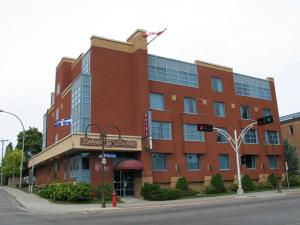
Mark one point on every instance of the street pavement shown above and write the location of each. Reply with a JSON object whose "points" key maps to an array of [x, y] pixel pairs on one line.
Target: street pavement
{"points": [[264, 208]]}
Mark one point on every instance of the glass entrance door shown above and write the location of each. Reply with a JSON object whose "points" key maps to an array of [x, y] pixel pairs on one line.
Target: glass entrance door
{"points": [[124, 182]]}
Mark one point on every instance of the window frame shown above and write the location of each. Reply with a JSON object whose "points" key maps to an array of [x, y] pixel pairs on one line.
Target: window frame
{"points": [[217, 83], [247, 111], [194, 126], [256, 137], [187, 102], [162, 99], [267, 137], [271, 157], [215, 111], [165, 161], [198, 162], [222, 135], [161, 123], [228, 161]]}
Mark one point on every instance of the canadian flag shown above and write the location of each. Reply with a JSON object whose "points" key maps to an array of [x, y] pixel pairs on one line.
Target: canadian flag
{"points": [[146, 34]]}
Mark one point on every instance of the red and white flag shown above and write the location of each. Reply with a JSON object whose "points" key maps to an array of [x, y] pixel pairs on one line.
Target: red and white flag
{"points": [[146, 34]]}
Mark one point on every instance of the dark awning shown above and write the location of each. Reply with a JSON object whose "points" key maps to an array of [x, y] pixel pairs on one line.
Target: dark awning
{"points": [[129, 164]]}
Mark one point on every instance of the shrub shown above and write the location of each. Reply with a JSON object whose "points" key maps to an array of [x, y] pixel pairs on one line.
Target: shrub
{"points": [[189, 192], [182, 184], [164, 194], [218, 183], [293, 181], [66, 192], [265, 186], [210, 190], [233, 187], [247, 183], [272, 179], [107, 188], [147, 189]]}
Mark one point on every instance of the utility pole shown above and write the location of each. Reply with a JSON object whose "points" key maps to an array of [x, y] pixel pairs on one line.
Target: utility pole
{"points": [[2, 160]]}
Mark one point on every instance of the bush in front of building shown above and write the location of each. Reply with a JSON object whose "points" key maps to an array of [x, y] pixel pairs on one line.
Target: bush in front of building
{"points": [[164, 194], [182, 184], [293, 181], [264, 186], [210, 190], [107, 188], [247, 183], [67, 192], [147, 189], [218, 183], [272, 179]]}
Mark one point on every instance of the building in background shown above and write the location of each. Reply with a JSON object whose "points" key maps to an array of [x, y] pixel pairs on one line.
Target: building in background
{"points": [[290, 130], [121, 84]]}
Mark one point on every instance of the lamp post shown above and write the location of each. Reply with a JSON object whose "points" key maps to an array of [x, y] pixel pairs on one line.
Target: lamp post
{"points": [[103, 138], [235, 144], [23, 142], [2, 161]]}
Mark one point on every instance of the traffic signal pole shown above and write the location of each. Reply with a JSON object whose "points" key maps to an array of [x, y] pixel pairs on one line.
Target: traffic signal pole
{"points": [[235, 144]]}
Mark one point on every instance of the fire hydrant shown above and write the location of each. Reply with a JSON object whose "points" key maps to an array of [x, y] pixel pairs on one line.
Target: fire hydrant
{"points": [[114, 199]]}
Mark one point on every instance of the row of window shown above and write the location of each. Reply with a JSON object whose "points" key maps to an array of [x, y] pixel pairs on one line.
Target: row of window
{"points": [[163, 131], [189, 104], [193, 161]]}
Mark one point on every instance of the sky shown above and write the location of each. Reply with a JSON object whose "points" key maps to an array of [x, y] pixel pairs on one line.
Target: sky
{"points": [[259, 38]]}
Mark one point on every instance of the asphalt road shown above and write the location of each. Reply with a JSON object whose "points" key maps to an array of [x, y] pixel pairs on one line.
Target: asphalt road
{"points": [[251, 211]]}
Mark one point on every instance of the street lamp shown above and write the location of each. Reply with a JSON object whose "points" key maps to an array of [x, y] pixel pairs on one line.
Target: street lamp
{"points": [[23, 142], [103, 137], [2, 161]]}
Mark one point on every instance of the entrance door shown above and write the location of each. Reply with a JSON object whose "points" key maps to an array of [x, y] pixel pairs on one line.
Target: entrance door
{"points": [[124, 182]]}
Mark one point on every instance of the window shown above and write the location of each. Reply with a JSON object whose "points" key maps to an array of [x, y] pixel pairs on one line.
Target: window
{"points": [[272, 137], [85, 66], [57, 114], [193, 161], [219, 109], [86, 162], [266, 112], [291, 129], [156, 101], [251, 137], [217, 84], [191, 133], [161, 130], [273, 163], [221, 138], [159, 161], [249, 160], [245, 112], [224, 162], [251, 87], [190, 105], [172, 71], [58, 89]]}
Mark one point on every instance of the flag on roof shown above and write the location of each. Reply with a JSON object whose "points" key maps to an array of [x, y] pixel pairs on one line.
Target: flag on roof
{"points": [[147, 34], [63, 122]]}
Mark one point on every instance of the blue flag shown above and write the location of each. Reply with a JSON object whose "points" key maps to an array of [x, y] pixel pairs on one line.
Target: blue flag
{"points": [[63, 122]]}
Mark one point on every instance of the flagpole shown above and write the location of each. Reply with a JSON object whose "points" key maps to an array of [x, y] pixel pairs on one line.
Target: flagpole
{"points": [[156, 36]]}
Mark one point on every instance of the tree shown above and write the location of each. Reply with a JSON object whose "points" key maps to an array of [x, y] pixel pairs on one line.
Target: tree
{"points": [[33, 141], [11, 163], [291, 158], [9, 148]]}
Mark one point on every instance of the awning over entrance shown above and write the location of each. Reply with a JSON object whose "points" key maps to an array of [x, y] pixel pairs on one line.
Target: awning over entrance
{"points": [[129, 164]]}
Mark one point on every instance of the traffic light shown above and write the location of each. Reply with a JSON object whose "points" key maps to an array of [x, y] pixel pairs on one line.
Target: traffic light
{"points": [[265, 120], [205, 127]]}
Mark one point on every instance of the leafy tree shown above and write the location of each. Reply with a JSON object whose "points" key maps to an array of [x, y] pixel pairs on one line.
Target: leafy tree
{"points": [[218, 183], [11, 163], [291, 158], [9, 147], [33, 141]]}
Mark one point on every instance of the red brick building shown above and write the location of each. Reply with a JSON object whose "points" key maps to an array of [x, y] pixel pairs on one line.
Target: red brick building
{"points": [[118, 83]]}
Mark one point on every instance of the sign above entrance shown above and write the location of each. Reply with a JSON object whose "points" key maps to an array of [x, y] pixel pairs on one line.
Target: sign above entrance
{"points": [[108, 155], [108, 143]]}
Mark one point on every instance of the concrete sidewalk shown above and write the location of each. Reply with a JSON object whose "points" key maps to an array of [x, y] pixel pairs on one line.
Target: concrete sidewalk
{"points": [[34, 204]]}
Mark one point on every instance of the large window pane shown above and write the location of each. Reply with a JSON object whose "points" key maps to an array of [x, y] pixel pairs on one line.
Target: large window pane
{"points": [[172, 71], [191, 133], [159, 161], [272, 137], [273, 163], [224, 162], [190, 105], [221, 138], [249, 161], [219, 109], [156, 101], [161, 130], [217, 84], [193, 161], [251, 137], [245, 112]]}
